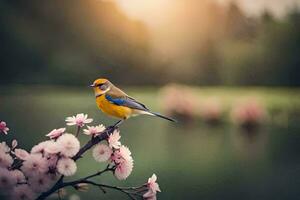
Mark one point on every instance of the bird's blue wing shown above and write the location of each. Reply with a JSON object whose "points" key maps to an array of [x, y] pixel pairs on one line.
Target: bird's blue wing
{"points": [[127, 102]]}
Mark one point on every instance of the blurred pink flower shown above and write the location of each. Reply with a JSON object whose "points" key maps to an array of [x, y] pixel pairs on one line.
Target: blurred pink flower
{"points": [[248, 113], [94, 130], [18, 176], [102, 152], [21, 154], [52, 148], [66, 166], [14, 144], [78, 120], [55, 133], [34, 164], [7, 181], [5, 160], [3, 127], [123, 169], [69, 144], [4, 147], [23, 192], [211, 110], [113, 140], [179, 101]]}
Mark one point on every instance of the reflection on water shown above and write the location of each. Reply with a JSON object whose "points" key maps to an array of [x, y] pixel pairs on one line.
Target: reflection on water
{"points": [[192, 162], [250, 145]]}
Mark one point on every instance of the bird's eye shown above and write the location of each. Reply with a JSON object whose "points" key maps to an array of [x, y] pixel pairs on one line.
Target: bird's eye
{"points": [[102, 87]]}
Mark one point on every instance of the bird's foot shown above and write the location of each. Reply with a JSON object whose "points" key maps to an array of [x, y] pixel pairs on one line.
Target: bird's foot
{"points": [[110, 129], [116, 125]]}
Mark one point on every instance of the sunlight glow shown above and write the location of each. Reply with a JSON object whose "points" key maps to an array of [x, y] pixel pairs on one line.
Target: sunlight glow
{"points": [[149, 11]]}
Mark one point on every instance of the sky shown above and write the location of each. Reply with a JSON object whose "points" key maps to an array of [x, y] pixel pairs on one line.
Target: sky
{"points": [[149, 10], [172, 35]]}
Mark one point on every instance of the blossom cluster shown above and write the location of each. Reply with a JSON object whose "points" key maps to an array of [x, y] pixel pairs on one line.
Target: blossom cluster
{"points": [[28, 174], [116, 154], [184, 103]]}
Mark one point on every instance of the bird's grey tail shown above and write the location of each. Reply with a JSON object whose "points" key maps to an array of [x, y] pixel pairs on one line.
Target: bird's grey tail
{"points": [[162, 116]]}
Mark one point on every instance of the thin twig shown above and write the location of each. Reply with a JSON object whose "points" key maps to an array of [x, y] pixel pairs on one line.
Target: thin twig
{"points": [[130, 194], [78, 130]]}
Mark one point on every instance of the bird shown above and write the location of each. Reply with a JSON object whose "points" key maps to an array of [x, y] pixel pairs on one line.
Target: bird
{"points": [[115, 103]]}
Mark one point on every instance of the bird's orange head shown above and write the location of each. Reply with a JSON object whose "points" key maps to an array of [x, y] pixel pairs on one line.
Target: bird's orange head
{"points": [[101, 86]]}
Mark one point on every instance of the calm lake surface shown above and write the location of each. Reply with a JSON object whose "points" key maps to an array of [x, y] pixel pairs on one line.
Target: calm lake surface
{"points": [[192, 161]]}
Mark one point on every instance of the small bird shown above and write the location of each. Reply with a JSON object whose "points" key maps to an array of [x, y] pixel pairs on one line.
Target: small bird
{"points": [[116, 103]]}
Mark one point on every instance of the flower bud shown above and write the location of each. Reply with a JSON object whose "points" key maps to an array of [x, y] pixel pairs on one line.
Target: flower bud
{"points": [[82, 187]]}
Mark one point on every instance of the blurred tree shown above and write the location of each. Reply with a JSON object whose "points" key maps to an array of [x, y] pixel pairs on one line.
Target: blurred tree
{"points": [[69, 42], [237, 25], [74, 42]]}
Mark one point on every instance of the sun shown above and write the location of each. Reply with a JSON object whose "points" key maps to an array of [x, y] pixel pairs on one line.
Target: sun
{"points": [[145, 10]]}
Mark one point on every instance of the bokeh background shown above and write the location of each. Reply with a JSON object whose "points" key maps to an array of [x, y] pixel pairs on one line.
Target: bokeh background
{"points": [[229, 71]]}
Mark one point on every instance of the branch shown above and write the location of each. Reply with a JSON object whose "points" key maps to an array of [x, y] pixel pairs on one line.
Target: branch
{"points": [[94, 140], [131, 192], [128, 191]]}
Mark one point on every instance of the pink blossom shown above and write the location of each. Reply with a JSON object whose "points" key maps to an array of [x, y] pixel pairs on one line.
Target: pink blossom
{"points": [[124, 162], [54, 176], [40, 182], [5, 160], [66, 166], [69, 144], [149, 196], [52, 161], [78, 120], [121, 155], [102, 152], [153, 188], [113, 140], [94, 130], [125, 153], [7, 181], [23, 192], [123, 169], [3, 127], [152, 184], [14, 144], [55, 133], [18, 176], [40, 148], [34, 164], [52, 148], [4, 148], [21, 154]]}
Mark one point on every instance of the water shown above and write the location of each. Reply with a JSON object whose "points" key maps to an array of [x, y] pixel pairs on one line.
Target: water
{"points": [[192, 161]]}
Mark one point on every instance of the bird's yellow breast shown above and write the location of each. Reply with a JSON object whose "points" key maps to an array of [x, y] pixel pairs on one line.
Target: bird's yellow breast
{"points": [[112, 109]]}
